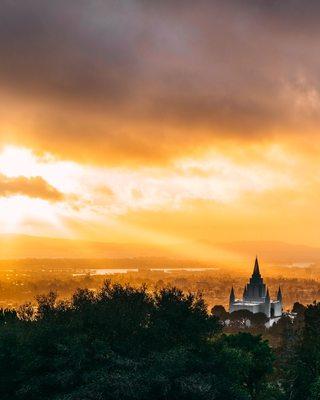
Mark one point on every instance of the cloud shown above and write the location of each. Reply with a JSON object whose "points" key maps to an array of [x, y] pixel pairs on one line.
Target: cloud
{"points": [[35, 187], [263, 192], [119, 81]]}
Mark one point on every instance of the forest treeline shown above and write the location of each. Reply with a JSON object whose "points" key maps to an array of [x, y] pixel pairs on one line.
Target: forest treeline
{"points": [[124, 342], [18, 285]]}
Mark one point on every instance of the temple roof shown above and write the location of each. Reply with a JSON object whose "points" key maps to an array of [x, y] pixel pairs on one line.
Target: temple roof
{"points": [[256, 270]]}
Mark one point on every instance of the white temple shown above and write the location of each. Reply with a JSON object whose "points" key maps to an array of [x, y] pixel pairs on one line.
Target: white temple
{"points": [[256, 297]]}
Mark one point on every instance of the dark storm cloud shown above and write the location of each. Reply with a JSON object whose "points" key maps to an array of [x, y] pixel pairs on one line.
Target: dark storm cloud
{"points": [[101, 67], [63, 49]]}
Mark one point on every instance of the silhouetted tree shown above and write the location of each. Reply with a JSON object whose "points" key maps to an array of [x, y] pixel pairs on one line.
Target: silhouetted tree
{"points": [[26, 312], [181, 319], [220, 312], [46, 304], [260, 359], [305, 365], [127, 343], [298, 308], [241, 318], [259, 319]]}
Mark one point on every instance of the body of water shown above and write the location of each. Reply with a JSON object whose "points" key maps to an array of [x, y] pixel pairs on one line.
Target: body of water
{"points": [[113, 271], [106, 271]]}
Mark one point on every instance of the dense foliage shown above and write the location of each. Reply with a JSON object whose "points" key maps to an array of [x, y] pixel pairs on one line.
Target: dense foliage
{"points": [[125, 343]]}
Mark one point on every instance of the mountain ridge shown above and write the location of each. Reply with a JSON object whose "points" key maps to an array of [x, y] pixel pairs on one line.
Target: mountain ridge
{"points": [[28, 246]]}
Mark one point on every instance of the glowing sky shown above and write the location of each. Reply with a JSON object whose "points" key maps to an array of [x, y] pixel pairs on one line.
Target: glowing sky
{"points": [[160, 122]]}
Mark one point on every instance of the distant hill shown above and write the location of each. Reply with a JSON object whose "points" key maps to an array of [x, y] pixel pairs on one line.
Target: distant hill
{"points": [[274, 252], [23, 246]]}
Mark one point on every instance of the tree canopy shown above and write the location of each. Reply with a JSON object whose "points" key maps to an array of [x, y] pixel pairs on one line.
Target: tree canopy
{"points": [[126, 343]]}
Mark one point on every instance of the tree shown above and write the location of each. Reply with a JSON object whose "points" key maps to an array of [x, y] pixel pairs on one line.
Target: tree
{"points": [[26, 312], [305, 365], [315, 390], [259, 319], [241, 318], [7, 316], [46, 304], [181, 318], [83, 298], [260, 361], [298, 308], [220, 312], [127, 343]]}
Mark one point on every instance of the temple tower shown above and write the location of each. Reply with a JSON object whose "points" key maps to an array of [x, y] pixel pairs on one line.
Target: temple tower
{"points": [[267, 304], [256, 297], [255, 289], [231, 299]]}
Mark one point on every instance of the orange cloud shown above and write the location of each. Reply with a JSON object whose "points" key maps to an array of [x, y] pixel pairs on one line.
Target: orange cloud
{"points": [[35, 187], [194, 122]]}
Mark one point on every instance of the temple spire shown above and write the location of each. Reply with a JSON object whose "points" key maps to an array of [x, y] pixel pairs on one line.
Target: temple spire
{"points": [[279, 295], [267, 300], [232, 296], [256, 270], [245, 292]]}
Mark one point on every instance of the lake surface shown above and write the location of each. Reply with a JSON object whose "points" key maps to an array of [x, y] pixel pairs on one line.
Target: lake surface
{"points": [[113, 271], [106, 271], [170, 270]]}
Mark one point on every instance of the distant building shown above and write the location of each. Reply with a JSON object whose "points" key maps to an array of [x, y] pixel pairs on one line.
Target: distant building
{"points": [[256, 297]]}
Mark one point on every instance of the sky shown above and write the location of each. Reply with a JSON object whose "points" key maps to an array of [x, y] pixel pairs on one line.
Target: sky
{"points": [[160, 122]]}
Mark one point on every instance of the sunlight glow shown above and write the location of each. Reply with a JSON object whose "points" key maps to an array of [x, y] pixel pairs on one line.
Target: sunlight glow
{"points": [[89, 199], [18, 212]]}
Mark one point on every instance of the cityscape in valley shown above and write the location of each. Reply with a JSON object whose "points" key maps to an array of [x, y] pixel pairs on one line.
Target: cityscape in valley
{"points": [[22, 280]]}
